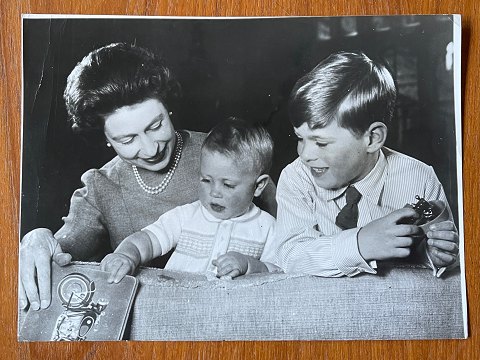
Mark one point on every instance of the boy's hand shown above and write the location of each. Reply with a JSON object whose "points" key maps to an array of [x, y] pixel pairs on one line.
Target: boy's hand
{"points": [[232, 264], [442, 243], [384, 238], [118, 265]]}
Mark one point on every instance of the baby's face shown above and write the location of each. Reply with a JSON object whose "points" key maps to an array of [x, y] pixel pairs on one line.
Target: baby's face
{"points": [[334, 155], [226, 185]]}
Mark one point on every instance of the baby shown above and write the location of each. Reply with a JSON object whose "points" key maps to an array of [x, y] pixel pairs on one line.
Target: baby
{"points": [[223, 232]]}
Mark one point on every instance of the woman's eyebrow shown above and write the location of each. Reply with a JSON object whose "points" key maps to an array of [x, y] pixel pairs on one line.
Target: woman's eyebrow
{"points": [[119, 137], [159, 117]]}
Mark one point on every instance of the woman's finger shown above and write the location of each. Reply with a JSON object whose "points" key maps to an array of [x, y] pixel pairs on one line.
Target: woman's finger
{"points": [[44, 269], [62, 259], [27, 278], [22, 297]]}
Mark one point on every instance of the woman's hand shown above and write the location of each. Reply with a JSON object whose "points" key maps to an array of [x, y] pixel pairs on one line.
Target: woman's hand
{"points": [[37, 249]]}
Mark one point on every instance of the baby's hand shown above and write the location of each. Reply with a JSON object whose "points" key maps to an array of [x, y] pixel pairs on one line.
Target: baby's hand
{"points": [[442, 243], [118, 265], [385, 238], [232, 264]]}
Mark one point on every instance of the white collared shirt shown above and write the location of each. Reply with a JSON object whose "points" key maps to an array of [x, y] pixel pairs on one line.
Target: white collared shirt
{"points": [[198, 237], [308, 239]]}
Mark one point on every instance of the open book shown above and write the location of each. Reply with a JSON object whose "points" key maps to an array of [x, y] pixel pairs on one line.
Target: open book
{"points": [[84, 307]]}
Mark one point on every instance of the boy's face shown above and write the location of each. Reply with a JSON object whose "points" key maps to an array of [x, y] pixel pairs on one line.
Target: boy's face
{"points": [[334, 155], [227, 186]]}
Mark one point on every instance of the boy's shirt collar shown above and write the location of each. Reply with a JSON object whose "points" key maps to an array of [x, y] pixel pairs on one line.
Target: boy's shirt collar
{"points": [[252, 212], [370, 186]]}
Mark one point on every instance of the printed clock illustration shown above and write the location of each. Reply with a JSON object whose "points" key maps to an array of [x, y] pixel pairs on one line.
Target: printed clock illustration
{"points": [[81, 314]]}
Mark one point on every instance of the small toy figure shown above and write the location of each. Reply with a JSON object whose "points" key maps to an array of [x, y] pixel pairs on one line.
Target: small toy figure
{"points": [[426, 211]]}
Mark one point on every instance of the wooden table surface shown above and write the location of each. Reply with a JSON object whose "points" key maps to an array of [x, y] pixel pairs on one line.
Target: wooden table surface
{"points": [[10, 105]]}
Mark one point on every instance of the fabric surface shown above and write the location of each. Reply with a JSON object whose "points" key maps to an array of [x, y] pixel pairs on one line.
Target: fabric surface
{"points": [[308, 239], [198, 237], [398, 303], [112, 205]]}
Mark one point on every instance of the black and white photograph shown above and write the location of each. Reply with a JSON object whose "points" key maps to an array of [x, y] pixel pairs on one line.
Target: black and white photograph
{"points": [[277, 178]]}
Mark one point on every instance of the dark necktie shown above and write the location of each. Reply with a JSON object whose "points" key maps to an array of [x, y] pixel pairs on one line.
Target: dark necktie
{"points": [[347, 217]]}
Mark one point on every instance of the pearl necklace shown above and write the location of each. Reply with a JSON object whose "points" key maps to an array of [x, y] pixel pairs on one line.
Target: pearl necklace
{"points": [[160, 187]]}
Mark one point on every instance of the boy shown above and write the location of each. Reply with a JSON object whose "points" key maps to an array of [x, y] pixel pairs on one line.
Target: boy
{"points": [[223, 232], [340, 112]]}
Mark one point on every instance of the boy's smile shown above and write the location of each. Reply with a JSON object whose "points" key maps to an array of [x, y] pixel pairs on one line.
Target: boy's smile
{"points": [[318, 171], [334, 155]]}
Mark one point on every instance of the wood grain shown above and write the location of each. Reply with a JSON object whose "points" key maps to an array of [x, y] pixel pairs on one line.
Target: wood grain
{"points": [[10, 105]]}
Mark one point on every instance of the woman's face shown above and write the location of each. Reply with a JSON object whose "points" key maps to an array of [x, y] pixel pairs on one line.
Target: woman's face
{"points": [[142, 134]]}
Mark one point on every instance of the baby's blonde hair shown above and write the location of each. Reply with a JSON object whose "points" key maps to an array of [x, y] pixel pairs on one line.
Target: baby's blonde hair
{"points": [[237, 138]]}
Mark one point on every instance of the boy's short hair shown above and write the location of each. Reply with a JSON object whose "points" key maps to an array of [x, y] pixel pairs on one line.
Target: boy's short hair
{"points": [[347, 87], [237, 138]]}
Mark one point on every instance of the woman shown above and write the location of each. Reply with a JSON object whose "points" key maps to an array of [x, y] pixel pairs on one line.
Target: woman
{"points": [[124, 91]]}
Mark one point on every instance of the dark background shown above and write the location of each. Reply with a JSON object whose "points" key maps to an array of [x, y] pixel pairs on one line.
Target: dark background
{"points": [[230, 67]]}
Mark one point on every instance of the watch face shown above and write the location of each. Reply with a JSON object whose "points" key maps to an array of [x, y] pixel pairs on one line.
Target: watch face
{"points": [[75, 290]]}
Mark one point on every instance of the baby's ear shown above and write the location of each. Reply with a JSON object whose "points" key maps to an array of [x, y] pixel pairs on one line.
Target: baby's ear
{"points": [[260, 184], [377, 135]]}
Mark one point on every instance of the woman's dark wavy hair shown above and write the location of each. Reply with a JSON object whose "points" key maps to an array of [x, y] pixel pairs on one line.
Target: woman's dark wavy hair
{"points": [[347, 87], [113, 76]]}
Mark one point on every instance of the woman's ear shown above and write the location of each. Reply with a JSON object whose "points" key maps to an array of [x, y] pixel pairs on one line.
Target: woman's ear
{"points": [[377, 135], [260, 184]]}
